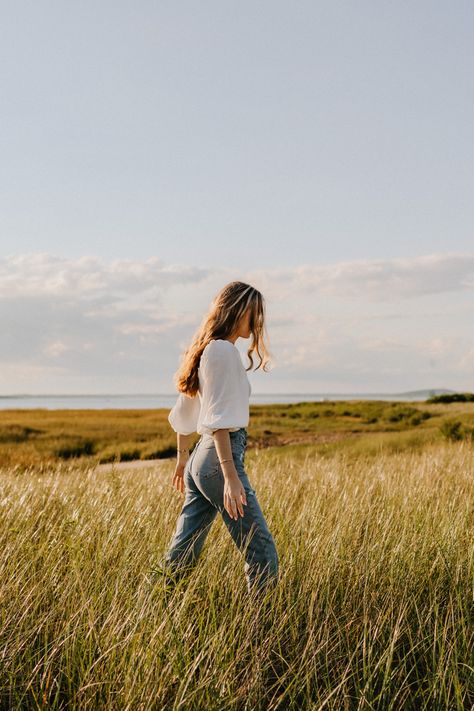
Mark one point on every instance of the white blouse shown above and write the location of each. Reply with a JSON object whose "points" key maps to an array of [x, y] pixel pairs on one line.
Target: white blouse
{"points": [[223, 397]]}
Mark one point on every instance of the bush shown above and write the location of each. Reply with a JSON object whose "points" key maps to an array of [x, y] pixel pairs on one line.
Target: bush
{"points": [[130, 454], [108, 456], [401, 413], [79, 448], [17, 433], [452, 397], [158, 450], [127, 452], [454, 430]]}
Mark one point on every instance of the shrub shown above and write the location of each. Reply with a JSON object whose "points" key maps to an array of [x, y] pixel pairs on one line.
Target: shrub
{"points": [[79, 448], [130, 454], [452, 430], [17, 433], [159, 452], [452, 397], [108, 456], [397, 413]]}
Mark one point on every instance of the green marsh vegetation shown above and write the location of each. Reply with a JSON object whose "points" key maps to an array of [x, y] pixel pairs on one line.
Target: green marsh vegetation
{"points": [[372, 509], [42, 437]]}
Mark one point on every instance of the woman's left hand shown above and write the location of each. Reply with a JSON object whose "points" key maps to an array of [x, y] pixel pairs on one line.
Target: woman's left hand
{"points": [[178, 477]]}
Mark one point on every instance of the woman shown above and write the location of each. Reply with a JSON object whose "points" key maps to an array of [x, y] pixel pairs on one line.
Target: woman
{"points": [[213, 400]]}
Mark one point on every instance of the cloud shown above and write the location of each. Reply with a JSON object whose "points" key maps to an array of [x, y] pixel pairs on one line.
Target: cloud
{"points": [[91, 278], [55, 348], [39, 274], [375, 280], [85, 322]]}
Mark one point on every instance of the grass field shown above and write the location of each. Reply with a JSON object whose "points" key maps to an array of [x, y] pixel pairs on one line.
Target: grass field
{"points": [[373, 522], [42, 437]]}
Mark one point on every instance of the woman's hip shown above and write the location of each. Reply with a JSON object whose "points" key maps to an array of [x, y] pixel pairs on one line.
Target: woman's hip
{"points": [[206, 468]]}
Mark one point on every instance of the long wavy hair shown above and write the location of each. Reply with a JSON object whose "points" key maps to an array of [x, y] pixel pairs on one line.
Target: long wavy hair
{"points": [[220, 321]]}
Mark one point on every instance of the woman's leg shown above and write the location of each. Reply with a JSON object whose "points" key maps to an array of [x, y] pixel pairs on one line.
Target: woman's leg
{"points": [[193, 525], [250, 533], [252, 536]]}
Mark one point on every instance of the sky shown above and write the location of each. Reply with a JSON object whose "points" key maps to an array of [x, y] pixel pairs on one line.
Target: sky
{"points": [[153, 151]]}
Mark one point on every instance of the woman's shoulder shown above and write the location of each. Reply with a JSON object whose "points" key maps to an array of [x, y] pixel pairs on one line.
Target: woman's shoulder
{"points": [[219, 345], [219, 349]]}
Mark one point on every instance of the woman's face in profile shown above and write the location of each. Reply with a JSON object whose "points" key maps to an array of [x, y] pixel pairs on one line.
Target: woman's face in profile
{"points": [[243, 327]]}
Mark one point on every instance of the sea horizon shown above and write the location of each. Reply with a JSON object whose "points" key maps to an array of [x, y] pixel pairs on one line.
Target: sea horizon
{"points": [[141, 401]]}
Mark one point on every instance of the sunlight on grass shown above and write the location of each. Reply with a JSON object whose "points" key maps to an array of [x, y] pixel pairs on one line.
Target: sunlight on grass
{"points": [[373, 608]]}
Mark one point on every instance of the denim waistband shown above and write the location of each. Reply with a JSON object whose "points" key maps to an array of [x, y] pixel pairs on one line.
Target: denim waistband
{"points": [[239, 435], [242, 430], [235, 435]]}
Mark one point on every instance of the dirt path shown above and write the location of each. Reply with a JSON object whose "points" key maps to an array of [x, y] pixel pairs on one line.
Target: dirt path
{"points": [[300, 438]]}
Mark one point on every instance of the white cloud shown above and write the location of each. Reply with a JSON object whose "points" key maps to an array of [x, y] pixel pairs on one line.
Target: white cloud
{"points": [[55, 348], [85, 277], [375, 280], [85, 322], [384, 344]]}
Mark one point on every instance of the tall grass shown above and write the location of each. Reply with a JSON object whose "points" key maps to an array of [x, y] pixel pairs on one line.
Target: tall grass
{"points": [[373, 609], [33, 437]]}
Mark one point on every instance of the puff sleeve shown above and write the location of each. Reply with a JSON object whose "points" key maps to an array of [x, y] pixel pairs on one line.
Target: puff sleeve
{"points": [[225, 401], [183, 417]]}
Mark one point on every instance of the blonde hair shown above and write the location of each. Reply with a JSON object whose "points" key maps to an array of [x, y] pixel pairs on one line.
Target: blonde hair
{"points": [[220, 321]]}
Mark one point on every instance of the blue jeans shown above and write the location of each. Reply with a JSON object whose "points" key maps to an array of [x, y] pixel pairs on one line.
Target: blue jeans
{"points": [[204, 482]]}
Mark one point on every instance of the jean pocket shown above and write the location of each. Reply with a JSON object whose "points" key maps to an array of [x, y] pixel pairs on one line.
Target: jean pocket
{"points": [[206, 463], [211, 473]]}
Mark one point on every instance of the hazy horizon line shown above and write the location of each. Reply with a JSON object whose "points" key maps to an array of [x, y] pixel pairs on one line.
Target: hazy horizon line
{"points": [[155, 394]]}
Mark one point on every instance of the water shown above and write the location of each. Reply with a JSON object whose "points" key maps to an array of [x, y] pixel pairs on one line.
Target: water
{"points": [[159, 400]]}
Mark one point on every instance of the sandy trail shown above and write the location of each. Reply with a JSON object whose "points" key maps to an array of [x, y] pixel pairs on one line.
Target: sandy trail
{"points": [[277, 441]]}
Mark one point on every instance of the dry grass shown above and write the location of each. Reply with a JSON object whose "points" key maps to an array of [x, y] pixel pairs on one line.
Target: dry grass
{"points": [[373, 609], [40, 437]]}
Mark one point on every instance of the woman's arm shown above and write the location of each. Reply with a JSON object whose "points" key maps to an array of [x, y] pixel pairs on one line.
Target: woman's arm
{"points": [[224, 452], [182, 447], [221, 372], [184, 415], [234, 491]]}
